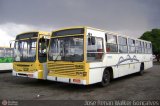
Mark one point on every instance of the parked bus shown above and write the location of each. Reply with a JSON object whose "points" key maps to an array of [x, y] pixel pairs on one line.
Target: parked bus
{"points": [[85, 55], [6, 58], [30, 55]]}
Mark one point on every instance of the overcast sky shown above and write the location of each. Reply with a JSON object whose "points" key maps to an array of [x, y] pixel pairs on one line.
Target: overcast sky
{"points": [[131, 17]]}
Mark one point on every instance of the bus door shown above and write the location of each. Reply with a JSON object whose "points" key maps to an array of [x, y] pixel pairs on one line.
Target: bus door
{"points": [[42, 54]]}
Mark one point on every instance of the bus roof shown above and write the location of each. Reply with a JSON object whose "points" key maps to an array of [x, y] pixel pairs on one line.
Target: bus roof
{"points": [[68, 28], [40, 32], [109, 32]]}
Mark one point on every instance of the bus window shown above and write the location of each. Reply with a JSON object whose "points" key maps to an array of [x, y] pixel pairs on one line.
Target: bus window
{"points": [[95, 49], [111, 43], [2, 53], [131, 45], [9, 52], [149, 48], [122, 45], [138, 47], [143, 48], [146, 50]]}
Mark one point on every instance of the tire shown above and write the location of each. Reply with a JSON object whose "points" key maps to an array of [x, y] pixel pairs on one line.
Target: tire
{"points": [[105, 78], [141, 70]]}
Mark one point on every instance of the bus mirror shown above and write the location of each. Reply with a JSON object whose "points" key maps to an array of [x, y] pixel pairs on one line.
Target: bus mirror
{"points": [[93, 40], [43, 39], [10, 45]]}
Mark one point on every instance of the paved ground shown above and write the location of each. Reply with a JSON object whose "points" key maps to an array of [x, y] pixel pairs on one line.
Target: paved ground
{"points": [[146, 87]]}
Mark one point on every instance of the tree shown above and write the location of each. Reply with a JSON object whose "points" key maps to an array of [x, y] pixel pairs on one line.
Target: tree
{"points": [[154, 37]]}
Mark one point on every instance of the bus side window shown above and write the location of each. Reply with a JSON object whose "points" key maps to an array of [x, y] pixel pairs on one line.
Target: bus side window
{"points": [[146, 49], [131, 45], [142, 45], [2, 54], [111, 43], [149, 48], [138, 47], [99, 48], [122, 45], [94, 48]]}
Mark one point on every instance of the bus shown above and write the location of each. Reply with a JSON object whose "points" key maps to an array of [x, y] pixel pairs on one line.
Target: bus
{"points": [[6, 58], [30, 55], [86, 55]]}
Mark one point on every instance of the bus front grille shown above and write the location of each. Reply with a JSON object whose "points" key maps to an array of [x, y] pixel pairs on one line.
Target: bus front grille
{"points": [[64, 69], [24, 67], [20, 65]]}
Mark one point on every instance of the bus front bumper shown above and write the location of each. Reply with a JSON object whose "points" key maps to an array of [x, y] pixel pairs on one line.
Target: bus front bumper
{"points": [[67, 80], [26, 74]]}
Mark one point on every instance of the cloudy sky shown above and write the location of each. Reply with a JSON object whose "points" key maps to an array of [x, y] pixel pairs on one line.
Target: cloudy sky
{"points": [[131, 17]]}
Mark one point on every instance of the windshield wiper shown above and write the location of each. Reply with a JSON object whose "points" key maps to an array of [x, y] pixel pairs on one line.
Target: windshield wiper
{"points": [[58, 55]]}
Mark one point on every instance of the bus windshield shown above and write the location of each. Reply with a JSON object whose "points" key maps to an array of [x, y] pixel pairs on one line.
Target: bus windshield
{"points": [[66, 49], [25, 50]]}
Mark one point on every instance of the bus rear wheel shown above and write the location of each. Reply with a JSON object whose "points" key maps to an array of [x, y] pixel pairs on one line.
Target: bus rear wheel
{"points": [[105, 78]]}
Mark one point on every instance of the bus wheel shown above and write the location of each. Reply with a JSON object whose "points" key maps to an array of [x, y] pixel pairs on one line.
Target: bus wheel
{"points": [[141, 69], [105, 78]]}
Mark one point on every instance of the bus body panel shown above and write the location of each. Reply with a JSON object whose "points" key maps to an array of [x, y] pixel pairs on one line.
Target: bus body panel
{"points": [[29, 69], [6, 58], [6, 66], [33, 69], [121, 63], [119, 70], [67, 80], [68, 72]]}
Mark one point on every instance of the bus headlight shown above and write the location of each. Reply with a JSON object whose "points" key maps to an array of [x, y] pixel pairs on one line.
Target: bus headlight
{"points": [[81, 74]]}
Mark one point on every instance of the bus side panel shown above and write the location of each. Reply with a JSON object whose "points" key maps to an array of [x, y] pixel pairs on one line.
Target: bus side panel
{"points": [[96, 72], [95, 75], [127, 65], [135, 67], [148, 61], [122, 64], [148, 64], [130, 63], [111, 60], [6, 66], [45, 70]]}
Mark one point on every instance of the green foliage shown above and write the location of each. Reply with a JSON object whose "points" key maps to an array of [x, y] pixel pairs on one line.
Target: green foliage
{"points": [[154, 37]]}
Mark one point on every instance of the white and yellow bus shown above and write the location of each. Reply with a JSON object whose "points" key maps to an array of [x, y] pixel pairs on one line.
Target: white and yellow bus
{"points": [[85, 55], [6, 58], [30, 54]]}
